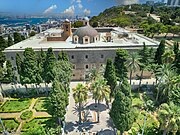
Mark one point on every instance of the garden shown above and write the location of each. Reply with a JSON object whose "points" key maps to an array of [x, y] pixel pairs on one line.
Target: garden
{"points": [[14, 112], [15, 105]]}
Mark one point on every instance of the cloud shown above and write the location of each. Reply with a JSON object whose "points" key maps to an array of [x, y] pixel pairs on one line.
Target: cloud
{"points": [[87, 12], [80, 6], [78, 1], [50, 9], [69, 11], [127, 2]]}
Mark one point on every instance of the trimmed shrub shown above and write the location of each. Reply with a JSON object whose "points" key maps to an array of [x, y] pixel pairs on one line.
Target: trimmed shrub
{"points": [[26, 115]]}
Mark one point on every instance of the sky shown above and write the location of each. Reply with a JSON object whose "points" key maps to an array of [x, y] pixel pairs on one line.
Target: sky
{"points": [[67, 7]]}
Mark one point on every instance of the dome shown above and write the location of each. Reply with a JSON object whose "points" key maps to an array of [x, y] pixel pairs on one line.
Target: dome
{"points": [[86, 31], [86, 18], [85, 35]]}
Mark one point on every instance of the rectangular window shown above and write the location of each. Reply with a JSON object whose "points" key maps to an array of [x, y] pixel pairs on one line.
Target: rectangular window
{"points": [[74, 66], [12, 58], [86, 40], [86, 56], [102, 56], [87, 66], [72, 57]]}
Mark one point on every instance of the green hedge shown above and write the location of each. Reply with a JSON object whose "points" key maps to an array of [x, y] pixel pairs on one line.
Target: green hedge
{"points": [[26, 115], [40, 105], [15, 105]]}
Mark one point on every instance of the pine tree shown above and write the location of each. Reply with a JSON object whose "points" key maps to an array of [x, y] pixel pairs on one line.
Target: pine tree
{"points": [[121, 112], [177, 56], [57, 101], [119, 63], [110, 75], [10, 41], [3, 43], [9, 72], [63, 56], [125, 87], [17, 37], [160, 51], [48, 66]]}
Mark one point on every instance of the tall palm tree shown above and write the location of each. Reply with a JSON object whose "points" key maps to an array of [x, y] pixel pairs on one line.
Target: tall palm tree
{"points": [[133, 64], [169, 116], [100, 91], [80, 94]]}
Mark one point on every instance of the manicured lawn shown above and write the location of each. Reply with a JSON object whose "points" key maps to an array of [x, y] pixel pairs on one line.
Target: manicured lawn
{"points": [[10, 125], [15, 105], [26, 115], [40, 105]]}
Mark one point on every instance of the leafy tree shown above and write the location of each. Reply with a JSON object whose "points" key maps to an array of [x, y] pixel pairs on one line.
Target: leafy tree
{"points": [[10, 40], [177, 56], [160, 51], [110, 75], [80, 94], [63, 56], [121, 112], [1, 79], [32, 33], [57, 101], [17, 37], [29, 70], [78, 24], [95, 24], [119, 63], [168, 56], [48, 66], [8, 78], [133, 64], [169, 116], [125, 87]]}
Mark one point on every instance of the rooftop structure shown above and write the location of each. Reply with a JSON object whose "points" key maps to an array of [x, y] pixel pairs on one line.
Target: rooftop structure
{"points": [[87, 47]]}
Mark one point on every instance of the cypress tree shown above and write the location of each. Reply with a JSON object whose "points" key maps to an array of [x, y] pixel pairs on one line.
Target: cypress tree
{"points": [[48, 75], [9, 72], [29, 69], [119, 63], [10, 41], [3, 43], [63, 56], [110, 75], [121, 112], [41, 62], [160, 51], [57, 101], [17, 37], [18, 63], [2, 58]]}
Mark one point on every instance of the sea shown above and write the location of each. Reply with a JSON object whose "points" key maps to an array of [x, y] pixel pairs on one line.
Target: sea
{"points": [[21, 22]]}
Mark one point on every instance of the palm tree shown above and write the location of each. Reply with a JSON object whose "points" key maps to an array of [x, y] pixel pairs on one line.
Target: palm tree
{"points": [[80, 94], [94, 73], [100, 91], [133, 64], [169, 116], [167, 80]]}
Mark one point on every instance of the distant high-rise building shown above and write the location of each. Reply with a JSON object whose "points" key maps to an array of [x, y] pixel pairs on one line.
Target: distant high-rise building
{"points": [[173, 2]]}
